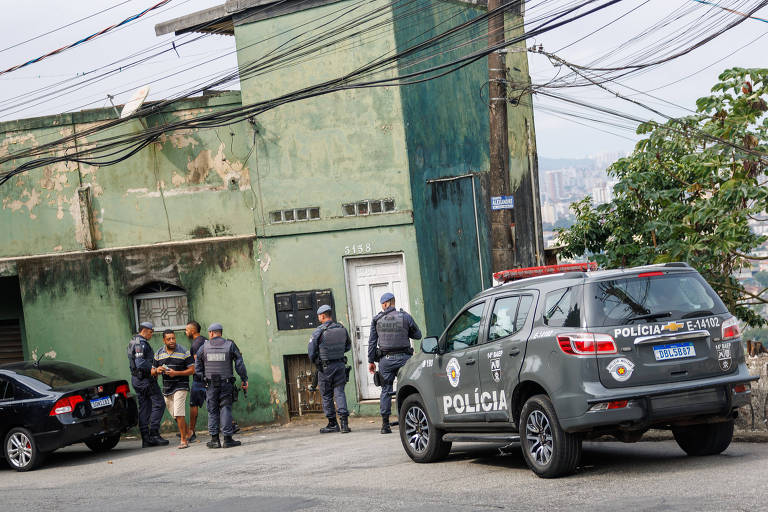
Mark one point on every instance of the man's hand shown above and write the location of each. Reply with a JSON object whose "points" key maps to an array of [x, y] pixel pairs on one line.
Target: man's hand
{"points": [[244, 385], [172, 373], [155, 371], [372, 367]]}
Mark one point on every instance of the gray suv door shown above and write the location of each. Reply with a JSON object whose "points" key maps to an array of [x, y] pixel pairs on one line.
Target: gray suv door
{"points": [[501, 356], [456, 378]]}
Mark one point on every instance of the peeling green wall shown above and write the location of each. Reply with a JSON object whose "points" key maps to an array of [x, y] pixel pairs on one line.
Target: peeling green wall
{"points": [[190, 184]]}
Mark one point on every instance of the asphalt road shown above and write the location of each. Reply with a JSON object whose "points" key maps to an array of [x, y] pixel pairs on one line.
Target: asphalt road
{"points": [[295, 468]]}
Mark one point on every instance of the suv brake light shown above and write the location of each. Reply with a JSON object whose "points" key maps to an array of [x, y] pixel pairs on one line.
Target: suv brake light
{"points": [[731, 329], [65, 405], [122, 390], [586, 343]]}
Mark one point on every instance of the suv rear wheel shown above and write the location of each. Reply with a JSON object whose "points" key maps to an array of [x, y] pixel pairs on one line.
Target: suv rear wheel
{"points": [[421, 440], [707, 439], [548, 450]]}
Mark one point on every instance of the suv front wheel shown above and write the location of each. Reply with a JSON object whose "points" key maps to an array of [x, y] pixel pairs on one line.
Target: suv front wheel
{"points": [[421, 440], [707, 439], [549, 451]]}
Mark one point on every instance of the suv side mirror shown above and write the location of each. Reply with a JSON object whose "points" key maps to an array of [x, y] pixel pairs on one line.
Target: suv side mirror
{"points": [[429, 345]]}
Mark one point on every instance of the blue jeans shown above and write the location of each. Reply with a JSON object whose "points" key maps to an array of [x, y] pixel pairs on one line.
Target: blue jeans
{"points": [[388, 366]]}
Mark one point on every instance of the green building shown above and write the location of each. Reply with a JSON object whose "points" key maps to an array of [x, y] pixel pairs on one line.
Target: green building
{"points": [[334, 199]]}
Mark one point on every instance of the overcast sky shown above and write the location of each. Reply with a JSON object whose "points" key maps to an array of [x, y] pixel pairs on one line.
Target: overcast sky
{"points": [[557, 137]]}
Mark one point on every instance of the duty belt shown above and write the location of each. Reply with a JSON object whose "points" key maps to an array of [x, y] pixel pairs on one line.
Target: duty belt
{"points": [[214, 380], [394, 353], [326, 361]]}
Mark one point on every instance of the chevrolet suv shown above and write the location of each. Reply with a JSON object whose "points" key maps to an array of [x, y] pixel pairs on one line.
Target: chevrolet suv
{"points": [[550, 361]]}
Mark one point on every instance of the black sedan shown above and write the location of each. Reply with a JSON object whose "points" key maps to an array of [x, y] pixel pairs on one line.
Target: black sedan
{"points": [[47, 405]]}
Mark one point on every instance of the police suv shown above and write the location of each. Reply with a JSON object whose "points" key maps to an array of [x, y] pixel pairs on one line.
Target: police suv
{"points": [[549, 361]]}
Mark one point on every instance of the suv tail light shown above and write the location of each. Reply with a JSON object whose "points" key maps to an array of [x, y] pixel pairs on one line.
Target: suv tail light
{"points": [[65, 405], [122, 390], [731, 328], [586, 343]]}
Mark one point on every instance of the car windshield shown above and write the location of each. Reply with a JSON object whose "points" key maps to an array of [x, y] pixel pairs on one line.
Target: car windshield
{"points": [[651, 299], [55, 375]]}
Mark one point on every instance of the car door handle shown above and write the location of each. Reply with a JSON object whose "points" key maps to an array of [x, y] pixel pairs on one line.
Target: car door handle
{"points": [[470, 362], [513, 352]]}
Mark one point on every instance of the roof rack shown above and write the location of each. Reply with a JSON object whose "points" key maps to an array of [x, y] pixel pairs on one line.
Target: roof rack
{"points": [[505, 276]]}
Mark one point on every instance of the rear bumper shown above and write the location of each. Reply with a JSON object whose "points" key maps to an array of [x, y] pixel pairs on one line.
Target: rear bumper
{"points": [[65, 430], [696, 401]]}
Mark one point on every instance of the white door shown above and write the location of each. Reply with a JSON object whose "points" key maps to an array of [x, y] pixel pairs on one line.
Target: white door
{"points": [[367, 280]]}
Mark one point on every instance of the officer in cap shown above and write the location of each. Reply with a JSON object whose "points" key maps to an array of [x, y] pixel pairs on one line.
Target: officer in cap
{"points": [[214, 363], [151, 404], [390, 344], [326, 349]]}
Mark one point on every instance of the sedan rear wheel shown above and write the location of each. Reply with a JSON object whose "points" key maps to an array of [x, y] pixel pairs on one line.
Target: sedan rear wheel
{"points": [[21, 450]]}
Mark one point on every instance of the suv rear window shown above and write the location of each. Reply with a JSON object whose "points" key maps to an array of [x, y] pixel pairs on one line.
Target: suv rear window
{"points": [[561, 307], [650, 299]]}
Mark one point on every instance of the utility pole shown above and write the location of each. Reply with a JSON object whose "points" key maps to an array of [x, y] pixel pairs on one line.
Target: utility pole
{"points": [[502, 250], [516, 237]]}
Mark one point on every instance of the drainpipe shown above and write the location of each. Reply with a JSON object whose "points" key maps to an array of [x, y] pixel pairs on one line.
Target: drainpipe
{"points": [[477, 224]]}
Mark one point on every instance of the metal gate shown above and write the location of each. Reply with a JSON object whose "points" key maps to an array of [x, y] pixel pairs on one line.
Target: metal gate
{"points": [[301, 400]]}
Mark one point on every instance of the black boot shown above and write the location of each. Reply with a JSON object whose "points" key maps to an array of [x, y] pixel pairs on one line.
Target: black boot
{"points": [[332, 426], [229, 442], [159, 441], [214, 442], [385, 429], [345, 425], [147, 441]]}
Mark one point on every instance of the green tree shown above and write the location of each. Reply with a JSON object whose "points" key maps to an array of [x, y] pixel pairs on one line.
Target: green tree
{"points": [[688, 191]]}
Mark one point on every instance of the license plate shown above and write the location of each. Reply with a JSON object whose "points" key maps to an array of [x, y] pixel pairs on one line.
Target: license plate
{"points": [[96, 403], [674, 351]]}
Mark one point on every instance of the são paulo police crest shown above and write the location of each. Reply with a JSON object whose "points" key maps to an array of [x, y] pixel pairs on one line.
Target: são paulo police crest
{"points": [[453, 370], [621, 368]]}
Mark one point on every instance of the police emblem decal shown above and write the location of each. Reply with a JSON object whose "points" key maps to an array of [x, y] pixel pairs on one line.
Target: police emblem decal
{"points": [[621, 369], [494, 358], [453, 370], [724, 356]]}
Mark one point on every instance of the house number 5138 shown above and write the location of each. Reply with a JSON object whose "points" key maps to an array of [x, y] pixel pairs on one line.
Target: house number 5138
{"points": [[357, 249]]}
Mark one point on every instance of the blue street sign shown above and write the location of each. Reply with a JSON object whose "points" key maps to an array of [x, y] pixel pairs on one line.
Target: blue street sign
{"points": [[502, 203]]}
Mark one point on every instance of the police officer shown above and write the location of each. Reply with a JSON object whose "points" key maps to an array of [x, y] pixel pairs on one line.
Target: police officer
{"points": [[151, 404], [390, 345], [326, 349], [214, 363]]}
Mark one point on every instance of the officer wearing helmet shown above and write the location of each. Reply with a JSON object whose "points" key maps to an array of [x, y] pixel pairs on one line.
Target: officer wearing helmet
{"points": [[214, 363], [390, 344], [151, 403], [326, 349]]}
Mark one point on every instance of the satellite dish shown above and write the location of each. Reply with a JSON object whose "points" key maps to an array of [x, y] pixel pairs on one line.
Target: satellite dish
{"points": [[136, 101]]}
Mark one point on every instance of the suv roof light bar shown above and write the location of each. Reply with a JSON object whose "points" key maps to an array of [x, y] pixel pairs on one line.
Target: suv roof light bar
{"points": [[505, 276]]}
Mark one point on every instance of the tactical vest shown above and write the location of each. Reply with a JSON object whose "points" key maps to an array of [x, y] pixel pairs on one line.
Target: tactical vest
{"points": [[137, 358], [218, 358], [392, 330], [333, 341]]}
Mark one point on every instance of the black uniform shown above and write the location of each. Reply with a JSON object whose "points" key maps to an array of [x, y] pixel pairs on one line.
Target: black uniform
{"points": [[151, 403]]}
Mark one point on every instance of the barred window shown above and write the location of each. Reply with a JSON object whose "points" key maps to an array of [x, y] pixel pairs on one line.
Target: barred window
{"points": [[163, 304]]}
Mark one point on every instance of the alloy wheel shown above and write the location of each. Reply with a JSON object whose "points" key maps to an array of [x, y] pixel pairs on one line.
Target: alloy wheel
{"points": [[417, 429], [19, 450], [539, 435]]}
